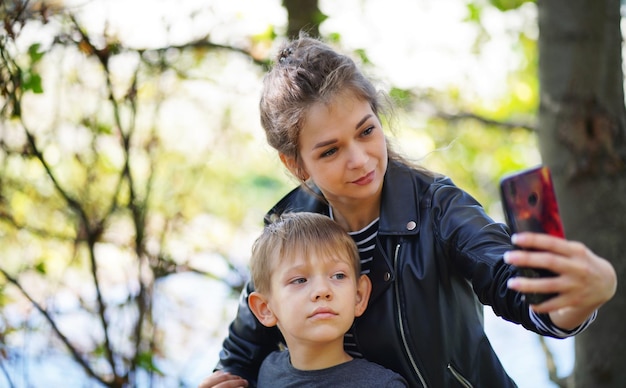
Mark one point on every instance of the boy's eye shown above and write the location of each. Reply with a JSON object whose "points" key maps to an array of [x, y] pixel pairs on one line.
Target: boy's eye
{"points": [[298, 281], [339, 276]]}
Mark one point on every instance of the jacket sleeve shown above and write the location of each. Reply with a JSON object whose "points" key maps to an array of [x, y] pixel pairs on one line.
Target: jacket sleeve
{"points": [[248, 342], [474, 245]]}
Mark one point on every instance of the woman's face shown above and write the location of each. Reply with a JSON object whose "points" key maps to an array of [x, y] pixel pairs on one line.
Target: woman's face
{"points": [[343, 149]]}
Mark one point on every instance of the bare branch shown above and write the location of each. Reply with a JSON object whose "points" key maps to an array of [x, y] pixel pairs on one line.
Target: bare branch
{"points": [[9, 219], [485, 120], [92, 234], [77, 356], [562, 382], [206, 43], [5, 372]]}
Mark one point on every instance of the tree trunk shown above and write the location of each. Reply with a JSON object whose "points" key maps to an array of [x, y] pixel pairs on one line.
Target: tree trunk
{"points": [[582, 138], [303, 15]]}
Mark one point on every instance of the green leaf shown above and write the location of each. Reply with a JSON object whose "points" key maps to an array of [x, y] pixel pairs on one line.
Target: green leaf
{"points": [[507, 5], [268, 35], [334, 37], [473, 13], [34, 53], [402, 97], [363, 56], [32, 81], [146, 361], [41, 267], [319, 17]]}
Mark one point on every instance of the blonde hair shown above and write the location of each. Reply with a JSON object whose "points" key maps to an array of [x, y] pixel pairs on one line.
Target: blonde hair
{"points": [[299, 233]]}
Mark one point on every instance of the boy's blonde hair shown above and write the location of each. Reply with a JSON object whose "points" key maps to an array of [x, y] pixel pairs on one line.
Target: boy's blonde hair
{"points": [[299, 233]]}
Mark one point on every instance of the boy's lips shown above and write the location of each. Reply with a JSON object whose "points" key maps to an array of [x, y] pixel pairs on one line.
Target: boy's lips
{"points": [[323, 312]]}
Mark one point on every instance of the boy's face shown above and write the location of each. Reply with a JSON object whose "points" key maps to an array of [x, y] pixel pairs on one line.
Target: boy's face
{"points": [[312, 300]]}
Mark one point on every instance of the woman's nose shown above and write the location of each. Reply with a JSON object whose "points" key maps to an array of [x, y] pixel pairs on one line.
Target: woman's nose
{"points": [[357, 156]]}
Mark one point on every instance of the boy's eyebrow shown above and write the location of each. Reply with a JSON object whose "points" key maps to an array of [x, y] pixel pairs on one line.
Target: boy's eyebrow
{"points": [[331, 141], [291, 268]]}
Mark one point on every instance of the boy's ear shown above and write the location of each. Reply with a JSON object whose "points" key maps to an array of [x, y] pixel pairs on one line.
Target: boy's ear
{"points": [[363, 291], [260, 308], [293, 167]]}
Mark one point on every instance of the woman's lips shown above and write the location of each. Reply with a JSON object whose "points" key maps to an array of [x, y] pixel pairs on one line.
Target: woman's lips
{"points": [[366, 179]]}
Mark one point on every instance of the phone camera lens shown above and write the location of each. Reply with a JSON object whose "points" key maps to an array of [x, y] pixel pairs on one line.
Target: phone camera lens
{"points": [[532, 199]]}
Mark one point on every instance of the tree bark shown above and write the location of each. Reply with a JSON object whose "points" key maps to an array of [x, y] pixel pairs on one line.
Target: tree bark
{"points": [[303, 15], [582, 139]]}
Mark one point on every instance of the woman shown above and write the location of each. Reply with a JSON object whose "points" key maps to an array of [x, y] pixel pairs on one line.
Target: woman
{"points": [[432, 253]]}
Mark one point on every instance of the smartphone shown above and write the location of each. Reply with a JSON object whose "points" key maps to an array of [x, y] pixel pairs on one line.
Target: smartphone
{"points": [[530, 205]]}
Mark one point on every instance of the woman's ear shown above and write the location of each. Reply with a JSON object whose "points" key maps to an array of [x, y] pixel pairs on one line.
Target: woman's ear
{"points": [[260, 308], [363, 291], [293, 167]]}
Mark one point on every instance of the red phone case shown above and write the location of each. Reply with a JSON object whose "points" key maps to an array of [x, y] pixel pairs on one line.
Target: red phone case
{"points": [[530, 204]]}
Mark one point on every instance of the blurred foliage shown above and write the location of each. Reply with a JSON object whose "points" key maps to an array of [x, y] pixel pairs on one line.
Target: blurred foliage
{"points": [[124, 169], [476, 140], [116, 173]]}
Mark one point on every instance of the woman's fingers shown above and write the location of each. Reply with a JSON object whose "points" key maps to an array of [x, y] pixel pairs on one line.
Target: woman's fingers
{"points": [[583, 279], [546, 242], [222, 379]]}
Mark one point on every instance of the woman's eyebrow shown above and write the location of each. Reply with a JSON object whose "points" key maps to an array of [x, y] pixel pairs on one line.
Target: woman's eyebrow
{"points": [[324, 143], [364, 119], [331, 141]]}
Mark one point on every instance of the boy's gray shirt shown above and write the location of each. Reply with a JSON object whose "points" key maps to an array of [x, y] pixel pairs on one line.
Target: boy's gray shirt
{"points": [[277, 372]]}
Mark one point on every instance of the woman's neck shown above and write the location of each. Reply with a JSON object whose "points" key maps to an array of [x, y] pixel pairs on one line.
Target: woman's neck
{"points": [[355, 217]]}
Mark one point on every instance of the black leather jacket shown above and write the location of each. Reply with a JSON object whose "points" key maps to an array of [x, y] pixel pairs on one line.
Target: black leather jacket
{"points": [[424, 319]]}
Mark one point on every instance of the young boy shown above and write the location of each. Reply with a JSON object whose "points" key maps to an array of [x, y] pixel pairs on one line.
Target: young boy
{"points": [[306, 273]]}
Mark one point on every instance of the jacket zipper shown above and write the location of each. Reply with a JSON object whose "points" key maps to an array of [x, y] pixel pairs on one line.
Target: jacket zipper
{"points": [[459, 377], [401, 325]]}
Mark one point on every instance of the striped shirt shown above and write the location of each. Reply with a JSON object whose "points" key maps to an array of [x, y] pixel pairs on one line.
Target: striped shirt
{"points": [[365, 240]]}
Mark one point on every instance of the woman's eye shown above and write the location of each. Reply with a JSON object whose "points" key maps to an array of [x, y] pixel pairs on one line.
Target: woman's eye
{"points": [[368, 131], [329, 152]]}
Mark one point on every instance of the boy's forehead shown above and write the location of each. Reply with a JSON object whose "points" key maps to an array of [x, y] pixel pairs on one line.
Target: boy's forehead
{"points": [[312, 253]]}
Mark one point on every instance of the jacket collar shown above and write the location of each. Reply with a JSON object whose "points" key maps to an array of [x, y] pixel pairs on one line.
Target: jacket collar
{"points": [[399, 213]]}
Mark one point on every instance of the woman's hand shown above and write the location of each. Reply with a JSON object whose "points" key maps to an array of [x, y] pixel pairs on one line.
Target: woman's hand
{"points": [[222, 379], [584, 282]]}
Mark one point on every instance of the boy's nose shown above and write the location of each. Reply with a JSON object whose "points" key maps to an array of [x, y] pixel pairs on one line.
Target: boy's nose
{"points": [[322, 291], [325, 295]]}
